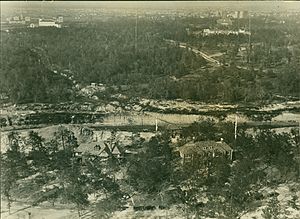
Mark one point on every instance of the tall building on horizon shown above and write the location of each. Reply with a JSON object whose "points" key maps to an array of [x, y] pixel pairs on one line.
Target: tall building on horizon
{"points": [[60, 19]]}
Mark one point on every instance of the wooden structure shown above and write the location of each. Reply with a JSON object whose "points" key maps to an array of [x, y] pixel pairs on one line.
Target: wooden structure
{"points": [[193, 151]]}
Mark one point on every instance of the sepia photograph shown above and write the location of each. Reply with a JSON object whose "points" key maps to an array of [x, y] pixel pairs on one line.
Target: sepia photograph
{"points": [[150, 109]]}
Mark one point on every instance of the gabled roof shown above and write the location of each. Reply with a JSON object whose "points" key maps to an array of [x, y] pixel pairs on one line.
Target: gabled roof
{"points": [[99, 148], [89, 148], [201, 147]]}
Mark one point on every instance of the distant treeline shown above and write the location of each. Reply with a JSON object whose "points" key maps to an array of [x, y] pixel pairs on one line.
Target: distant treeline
{"points": [[118, 52]]}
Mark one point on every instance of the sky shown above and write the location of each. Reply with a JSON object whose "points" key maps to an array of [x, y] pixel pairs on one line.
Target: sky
{"points": [[201, 5]]}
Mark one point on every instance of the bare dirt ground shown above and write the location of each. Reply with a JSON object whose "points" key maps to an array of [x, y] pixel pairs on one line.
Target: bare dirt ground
{"points": [[154, 214], [284, 197], [24, 211]]}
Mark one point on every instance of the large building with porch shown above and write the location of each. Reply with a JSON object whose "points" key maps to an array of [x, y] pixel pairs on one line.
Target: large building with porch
{"points": [[193, 152]]}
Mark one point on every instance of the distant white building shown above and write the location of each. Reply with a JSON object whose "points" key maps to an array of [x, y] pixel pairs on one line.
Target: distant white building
{"points": [[34, 22], [32, 25], [60, 19], [207, 32], [16, 20], [48, 23], [93, 84]]}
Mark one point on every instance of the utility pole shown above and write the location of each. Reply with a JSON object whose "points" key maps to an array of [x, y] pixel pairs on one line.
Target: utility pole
{"points": [[136, 29], [135, 41], [235, 135], [1, 150], [299, 152], [235, 127], [249, 39]]}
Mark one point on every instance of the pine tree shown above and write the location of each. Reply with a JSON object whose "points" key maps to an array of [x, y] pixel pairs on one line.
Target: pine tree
{"points": [[272, 211]]}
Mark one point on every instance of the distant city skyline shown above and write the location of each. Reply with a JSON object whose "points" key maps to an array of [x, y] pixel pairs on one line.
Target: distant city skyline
{"points": [[156, 5]]}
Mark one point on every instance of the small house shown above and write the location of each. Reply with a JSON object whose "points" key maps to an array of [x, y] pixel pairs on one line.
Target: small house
{"points": [[194, 151]]}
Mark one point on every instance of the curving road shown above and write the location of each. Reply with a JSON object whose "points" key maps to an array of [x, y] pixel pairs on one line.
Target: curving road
{"points": [[196, 51]]}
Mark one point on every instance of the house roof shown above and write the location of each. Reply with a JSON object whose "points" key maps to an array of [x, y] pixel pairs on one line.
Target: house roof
{"points": [[204, 146], [89, 148], [102, 151]]}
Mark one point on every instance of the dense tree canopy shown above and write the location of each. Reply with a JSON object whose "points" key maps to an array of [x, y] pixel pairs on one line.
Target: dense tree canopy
{"points": [[108, 52]]}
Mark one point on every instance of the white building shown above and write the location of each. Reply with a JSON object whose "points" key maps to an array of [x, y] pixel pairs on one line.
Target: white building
{"points": [[207, 32], [32, 25], [16, 20], [48, 23], [60, 19]]}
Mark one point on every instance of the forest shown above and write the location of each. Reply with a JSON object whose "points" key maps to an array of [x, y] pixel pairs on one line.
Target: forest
{"points": [[52, 169], [115, 52]]}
